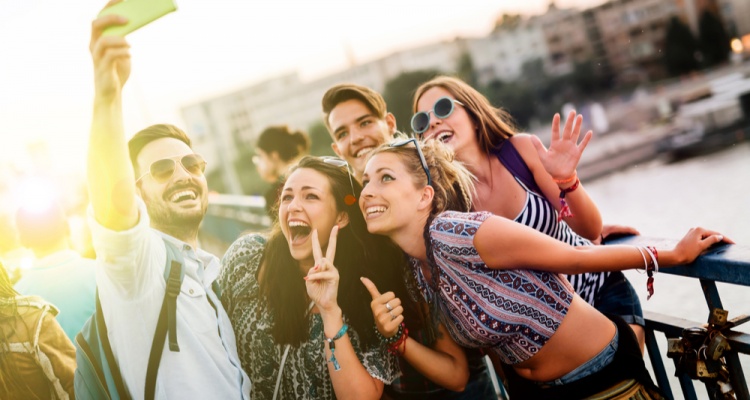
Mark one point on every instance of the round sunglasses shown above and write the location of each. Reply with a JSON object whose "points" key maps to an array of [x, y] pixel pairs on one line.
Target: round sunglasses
{"points": [[443, 108], [162, 170]]}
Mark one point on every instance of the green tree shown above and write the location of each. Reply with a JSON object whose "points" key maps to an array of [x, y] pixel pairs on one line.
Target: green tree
{"points": [[399, 94], [680, 48], [320, 140], [465, 69], [516, 97], [713, 39]]}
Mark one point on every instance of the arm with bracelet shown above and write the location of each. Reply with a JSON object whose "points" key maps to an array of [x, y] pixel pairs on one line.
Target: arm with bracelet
{"points": [[349, 377], [444, 363]]}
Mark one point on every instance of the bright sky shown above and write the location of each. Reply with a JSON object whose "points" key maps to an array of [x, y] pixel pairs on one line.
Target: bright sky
{"points": [[204, 49]]}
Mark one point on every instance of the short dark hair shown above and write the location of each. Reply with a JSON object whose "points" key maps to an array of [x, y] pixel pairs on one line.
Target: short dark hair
{"points": [[282, 140], [41, 228], [351, 91], [154, 132]]}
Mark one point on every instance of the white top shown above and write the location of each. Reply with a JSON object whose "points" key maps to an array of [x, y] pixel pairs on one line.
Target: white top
{"points": [[131, 290]]}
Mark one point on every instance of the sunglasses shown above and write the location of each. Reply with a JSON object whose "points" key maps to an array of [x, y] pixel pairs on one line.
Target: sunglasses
{"points": [[402, 143], [349, 199], [442, 109], [162, 170]]}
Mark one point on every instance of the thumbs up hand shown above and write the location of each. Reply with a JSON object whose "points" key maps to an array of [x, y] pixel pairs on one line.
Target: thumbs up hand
{"points": [[386, 309]]}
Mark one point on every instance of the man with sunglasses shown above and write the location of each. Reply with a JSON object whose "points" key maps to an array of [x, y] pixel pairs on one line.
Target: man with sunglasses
{"points": [[358, 121], [132, 221]]}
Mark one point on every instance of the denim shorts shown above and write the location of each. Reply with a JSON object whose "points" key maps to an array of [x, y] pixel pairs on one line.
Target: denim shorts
{"points": [[590, 367], [617, 297]]}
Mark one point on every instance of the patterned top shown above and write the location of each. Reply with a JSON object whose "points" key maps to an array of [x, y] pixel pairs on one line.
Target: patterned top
{"points": [[513, 312], [538, 213], [305, 372]]}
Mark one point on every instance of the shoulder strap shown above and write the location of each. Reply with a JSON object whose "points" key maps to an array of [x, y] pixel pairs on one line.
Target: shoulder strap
{"points": [[173, 275], [114, 368], [512, 160]]}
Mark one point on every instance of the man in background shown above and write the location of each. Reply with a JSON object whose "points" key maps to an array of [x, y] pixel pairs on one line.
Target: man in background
{"points": [[59, 274]]}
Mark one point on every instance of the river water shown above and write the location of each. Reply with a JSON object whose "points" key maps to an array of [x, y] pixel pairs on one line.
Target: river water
{"points": [[664, 199]]}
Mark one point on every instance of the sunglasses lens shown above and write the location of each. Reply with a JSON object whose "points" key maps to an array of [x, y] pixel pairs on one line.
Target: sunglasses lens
{"points": [[420, 122], [162, 170], [443, 108], [194, 164]]}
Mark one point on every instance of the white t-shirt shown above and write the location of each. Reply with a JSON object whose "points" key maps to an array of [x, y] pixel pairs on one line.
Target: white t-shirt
{"points": [[130, 278]]}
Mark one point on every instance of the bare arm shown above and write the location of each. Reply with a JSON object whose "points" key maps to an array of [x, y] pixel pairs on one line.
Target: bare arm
{"points": [[111, 178], [560, 162], [504, 244], [444, 364]]}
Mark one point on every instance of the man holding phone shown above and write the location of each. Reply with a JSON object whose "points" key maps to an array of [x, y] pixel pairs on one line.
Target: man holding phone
{"points": [[131, 220]]}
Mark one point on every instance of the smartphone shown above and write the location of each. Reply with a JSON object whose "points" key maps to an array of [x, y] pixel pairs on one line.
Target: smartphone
{"points": [[138, 13]]}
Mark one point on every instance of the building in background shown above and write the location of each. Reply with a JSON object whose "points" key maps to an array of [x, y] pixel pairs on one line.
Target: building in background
{"points": [[623, 39]]}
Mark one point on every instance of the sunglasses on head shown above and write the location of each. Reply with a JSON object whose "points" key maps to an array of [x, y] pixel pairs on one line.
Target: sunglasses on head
{"points": [[426, 169], [443, 108], [349, 199], [162, 170]]}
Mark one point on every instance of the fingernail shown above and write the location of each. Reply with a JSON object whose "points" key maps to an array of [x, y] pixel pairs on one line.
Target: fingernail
{"points": [[305, 277], [315, 267], [122, 19], [721, 237]]}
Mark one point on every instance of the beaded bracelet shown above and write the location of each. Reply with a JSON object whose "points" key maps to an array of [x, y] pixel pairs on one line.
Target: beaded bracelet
{"points": [[564, 208], [332, 346], [393, 339], [393, 348]]}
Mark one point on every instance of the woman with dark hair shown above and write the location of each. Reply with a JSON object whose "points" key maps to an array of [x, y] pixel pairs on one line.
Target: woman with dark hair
{"points": [[497, 285], [303, 326], [517, 179], [37, 360], [277, 149]]}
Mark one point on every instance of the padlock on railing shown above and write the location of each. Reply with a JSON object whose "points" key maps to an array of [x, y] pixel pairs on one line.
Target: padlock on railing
{"points": [[718, 317], [717, 346]]}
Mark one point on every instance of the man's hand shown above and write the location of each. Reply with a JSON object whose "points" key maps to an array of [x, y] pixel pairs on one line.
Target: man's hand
{"points": [[111, 57]]}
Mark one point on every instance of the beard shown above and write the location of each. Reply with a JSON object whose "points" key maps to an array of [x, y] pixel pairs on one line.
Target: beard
{"points": [[173, 221]]}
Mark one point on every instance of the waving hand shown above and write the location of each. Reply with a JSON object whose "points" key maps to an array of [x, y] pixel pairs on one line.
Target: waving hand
{"points": [[564, 153]]}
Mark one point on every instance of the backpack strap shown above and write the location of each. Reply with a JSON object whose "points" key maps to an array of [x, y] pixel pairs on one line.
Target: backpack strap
{"points": [[173, 275], [114, 368], [514, 163]]}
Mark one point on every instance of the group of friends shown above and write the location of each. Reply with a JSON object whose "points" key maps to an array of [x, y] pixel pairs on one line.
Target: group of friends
{"points": [[390, 271]]}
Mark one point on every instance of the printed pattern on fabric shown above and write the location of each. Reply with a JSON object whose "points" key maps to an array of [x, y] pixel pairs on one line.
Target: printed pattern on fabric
{"points": [[539, 214], [305, 374], [513, 311]]}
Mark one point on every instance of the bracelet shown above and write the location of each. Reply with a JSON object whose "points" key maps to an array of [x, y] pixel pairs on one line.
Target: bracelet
{"points": [[650, 269], [566, 180], [332, 346], [645, 262], [393, 339], [654, 257], [564, 208], [393, 348]]}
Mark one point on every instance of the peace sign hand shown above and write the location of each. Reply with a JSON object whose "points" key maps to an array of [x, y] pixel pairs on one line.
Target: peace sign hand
{"points": [[386, 309], [564, 153], [322, 280]]}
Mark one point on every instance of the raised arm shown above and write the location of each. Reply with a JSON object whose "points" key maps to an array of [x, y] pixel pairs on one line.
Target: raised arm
{"points": [[444, 363], [504, 244], [111, 179], [350, 378], [554, 169]]}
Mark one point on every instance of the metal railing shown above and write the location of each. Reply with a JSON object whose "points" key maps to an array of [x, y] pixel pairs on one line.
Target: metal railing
{"points": [[229, 216]]}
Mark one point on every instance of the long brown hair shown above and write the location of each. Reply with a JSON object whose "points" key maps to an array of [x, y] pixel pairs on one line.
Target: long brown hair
{"points": [[10, 379], [493, 124], [358, 254]]}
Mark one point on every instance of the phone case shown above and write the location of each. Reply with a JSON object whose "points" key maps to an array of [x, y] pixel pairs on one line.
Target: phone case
{"points": [[138, 13]]}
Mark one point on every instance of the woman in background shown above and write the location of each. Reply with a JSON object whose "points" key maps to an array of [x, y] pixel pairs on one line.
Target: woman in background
{"points": [[277, 149], [37, 360]]}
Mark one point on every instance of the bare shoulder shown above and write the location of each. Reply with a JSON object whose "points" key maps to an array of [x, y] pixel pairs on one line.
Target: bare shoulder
{"points": [[523, 143]]}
